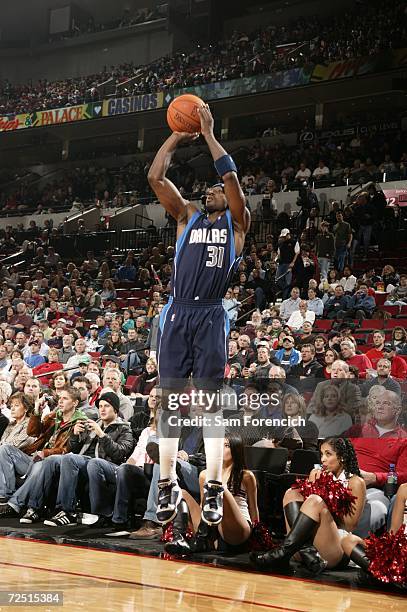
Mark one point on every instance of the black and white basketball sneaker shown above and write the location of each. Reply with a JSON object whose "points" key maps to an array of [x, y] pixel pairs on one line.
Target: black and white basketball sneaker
{"points": [[212, 505], [169, 496]]}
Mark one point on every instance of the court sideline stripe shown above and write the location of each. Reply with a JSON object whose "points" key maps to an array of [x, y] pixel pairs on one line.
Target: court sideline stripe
{"points": [[245, 570], [151, 586]]}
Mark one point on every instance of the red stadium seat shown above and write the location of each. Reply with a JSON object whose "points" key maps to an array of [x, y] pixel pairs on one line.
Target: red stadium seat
{"points": [[392, 310], [380, 297], [372, 324], [392, 323], [130, 382], [94, 354], [323, 324]]}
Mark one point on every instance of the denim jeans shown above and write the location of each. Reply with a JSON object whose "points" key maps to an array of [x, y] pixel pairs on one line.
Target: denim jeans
{"points": [[284, 283], [364, 235], [191, 480], [131, 484], [13, 462], [323, 263], [37, 486], [340, 257], [72, 469], [102, 486]]}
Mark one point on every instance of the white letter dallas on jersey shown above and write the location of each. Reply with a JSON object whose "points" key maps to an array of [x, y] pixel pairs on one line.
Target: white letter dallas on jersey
{"points": [[211, 236]]}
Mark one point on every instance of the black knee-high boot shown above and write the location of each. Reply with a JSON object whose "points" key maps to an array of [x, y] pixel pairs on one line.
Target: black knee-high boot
{"points": [[205, 537], [359, 556], [310, 557], [303, 529], [179, 544]]}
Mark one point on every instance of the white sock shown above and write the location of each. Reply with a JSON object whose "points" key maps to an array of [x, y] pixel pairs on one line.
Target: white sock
{"points": [[168, 458], [214, 440]]}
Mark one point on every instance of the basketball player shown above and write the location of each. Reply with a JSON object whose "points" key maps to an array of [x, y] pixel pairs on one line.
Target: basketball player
{"points": [[194, 325]]}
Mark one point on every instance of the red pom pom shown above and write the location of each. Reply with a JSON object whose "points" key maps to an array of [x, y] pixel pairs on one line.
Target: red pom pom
{"points": [[168, 534], [388, 556], [260, 538], [338, 498]]}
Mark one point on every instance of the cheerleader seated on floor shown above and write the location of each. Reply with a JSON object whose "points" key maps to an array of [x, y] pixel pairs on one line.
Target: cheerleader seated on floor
{"points": [[383, 557], [190, 534], [319, 512]]}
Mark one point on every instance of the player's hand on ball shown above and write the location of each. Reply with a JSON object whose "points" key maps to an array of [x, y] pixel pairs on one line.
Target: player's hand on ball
{"points": [[186, 136], [207, 121]]}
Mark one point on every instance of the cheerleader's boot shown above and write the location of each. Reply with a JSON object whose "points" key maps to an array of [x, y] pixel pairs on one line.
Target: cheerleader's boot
{"points": [[309, 555], [179, 544], [303, 529]]}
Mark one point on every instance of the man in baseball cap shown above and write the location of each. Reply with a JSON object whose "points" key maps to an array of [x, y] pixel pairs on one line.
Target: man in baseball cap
{"points": [[398, 365]]}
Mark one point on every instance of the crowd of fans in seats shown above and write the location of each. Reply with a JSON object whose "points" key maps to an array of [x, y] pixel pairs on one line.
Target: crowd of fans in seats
{"points": [[265, 169], [78, 368], [344, 36], [90, 26]]}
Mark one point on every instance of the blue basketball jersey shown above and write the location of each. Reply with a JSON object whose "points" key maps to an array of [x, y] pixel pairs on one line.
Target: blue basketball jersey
{"points": [[205, 258]]}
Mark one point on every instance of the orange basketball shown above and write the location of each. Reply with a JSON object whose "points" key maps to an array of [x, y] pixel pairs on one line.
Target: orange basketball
{"points": [[182, 114]]}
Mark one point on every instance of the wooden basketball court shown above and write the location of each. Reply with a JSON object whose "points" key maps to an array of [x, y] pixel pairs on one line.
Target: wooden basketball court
{"points": [[92, 579]]}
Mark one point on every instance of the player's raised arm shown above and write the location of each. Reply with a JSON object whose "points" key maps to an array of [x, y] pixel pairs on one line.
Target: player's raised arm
{"points": [[165, 190], [226, 168]]}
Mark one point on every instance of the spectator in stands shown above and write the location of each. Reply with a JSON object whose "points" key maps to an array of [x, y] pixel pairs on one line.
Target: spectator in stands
{"points": [[324, 248], [112, 380], [343, 240], [330, 356], [378, 443], [52, 438], [308, 366], [348, 281], [336, 305], [360, 305], [398, 364], [321, 171], [398, 295], [131, 482], [302, 431], [389, 277], [329, 415], [298, 317], [383, 378], [365, 213], [21, 321], [399, 340], [114, 344], [348, 352], [98, 448], [146, 381], [59, 381], [52, 365], [315, 304], [80, 356], [34, 359], [127, 271], [303, 173], [376, 353], [288, 251], [83, 385], [290, 305], [288, 356], [95, 386], [15, 432], [67, 350]]}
